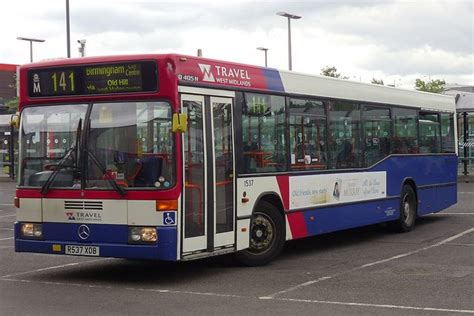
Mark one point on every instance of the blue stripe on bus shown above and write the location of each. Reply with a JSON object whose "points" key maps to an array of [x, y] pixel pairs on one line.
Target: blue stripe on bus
{"points": [[424, 170], [272, 76], [435, 177], [112, 245]]}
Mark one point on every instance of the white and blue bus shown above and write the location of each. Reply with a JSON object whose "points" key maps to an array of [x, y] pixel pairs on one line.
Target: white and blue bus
{"points": [[174, 157]]}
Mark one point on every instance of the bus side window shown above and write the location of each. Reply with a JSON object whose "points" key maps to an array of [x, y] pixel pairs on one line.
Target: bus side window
{"points": [[344, 134], [405, 139], [264, 133], [377, 134], [308, 137], [447, 133], [430, 133]]}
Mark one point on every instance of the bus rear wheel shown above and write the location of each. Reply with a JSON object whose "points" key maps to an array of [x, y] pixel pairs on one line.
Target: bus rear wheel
{"points": [[408, 210], [267, 236]]}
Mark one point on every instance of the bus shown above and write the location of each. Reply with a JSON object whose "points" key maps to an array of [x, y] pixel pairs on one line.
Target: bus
{"points": [[174, 157]]}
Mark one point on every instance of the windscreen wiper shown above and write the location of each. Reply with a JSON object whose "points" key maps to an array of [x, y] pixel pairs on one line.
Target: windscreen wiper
{"points": [[47, 184], [60, 165], [102, 169]]}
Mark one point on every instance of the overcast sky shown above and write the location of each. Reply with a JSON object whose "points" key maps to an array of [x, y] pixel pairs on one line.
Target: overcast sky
{"points": [[396, 41]]}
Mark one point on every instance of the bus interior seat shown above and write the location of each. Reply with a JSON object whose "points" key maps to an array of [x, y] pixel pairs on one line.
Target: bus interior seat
{"points": [[150, 171]]}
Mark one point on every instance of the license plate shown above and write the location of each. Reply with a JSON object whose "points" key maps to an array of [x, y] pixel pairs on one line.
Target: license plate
{"points": [[82, 250]]}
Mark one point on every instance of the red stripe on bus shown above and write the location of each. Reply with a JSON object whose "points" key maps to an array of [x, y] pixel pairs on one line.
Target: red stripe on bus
{"points": [[284, 186], [297, 225]]}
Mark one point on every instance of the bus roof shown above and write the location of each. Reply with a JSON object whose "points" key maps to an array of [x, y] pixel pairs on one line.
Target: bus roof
{"points": [[192, 70]]}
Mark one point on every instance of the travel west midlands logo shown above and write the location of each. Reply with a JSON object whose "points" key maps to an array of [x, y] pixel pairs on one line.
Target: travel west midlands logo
{"points": [[84, 216]]}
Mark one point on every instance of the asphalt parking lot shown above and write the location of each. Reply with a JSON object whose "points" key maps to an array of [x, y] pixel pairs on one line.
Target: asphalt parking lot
{"points": [[365, 271]]}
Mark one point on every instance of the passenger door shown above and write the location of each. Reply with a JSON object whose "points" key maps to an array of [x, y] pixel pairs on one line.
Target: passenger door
{"points": [[209, 174]]}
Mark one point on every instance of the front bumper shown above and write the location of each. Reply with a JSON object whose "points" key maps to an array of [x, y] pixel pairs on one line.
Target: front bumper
{"points": [[55, 241]]}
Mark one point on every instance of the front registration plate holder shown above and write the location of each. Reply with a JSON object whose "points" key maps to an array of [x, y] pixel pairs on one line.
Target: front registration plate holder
{"points": [[77, 250]]}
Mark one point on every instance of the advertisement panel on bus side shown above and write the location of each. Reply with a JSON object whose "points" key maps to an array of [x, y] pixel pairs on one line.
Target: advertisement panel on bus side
{"points": [[328, 189]]}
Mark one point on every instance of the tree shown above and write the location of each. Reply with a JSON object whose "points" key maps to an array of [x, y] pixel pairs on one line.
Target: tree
{"points": [[12, 105], [377, 81], [434, 86], [332, 72]]}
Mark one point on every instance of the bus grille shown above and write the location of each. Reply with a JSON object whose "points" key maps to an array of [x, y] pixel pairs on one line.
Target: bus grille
{"points": [[83, 205]]}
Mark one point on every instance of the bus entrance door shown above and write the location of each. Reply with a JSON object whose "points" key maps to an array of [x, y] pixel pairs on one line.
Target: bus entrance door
{"points": [[209, 174]]}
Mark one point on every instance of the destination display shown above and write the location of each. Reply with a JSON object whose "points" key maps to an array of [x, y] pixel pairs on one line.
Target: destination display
{"points": [[93, 79]]}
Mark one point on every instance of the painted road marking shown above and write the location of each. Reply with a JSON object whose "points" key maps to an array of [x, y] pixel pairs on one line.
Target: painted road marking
{"points": [[4, 216], [51, 268], [461, 244], [371, 264], [166, 291], [1, 239], [429, 309]]}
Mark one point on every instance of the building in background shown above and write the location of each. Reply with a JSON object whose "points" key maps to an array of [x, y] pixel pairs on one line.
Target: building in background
{"points": [[7, 83], [8, 135]]}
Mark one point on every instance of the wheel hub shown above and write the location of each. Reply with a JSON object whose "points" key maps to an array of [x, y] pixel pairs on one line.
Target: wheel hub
{"points": [[262, 233]]}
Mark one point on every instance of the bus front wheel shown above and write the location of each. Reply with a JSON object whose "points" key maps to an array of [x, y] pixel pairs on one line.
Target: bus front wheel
{"points": [[267, 236], [408, 210]]}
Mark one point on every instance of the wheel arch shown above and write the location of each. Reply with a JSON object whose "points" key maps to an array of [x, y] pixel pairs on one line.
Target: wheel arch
{"points": [[272, 198], [411, 182]]}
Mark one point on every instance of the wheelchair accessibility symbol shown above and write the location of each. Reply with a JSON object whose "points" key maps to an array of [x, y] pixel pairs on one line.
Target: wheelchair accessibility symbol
{"points": [[169, 218]]}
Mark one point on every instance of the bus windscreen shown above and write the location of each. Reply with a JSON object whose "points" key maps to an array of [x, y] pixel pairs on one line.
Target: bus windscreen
{"points": [[93, 79]]}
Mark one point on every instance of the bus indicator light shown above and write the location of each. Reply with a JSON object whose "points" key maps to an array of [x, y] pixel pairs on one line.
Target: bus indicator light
{"points": [[166, 205], [57, 248]]}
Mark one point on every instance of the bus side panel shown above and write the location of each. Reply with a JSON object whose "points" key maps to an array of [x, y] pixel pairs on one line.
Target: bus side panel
{"points": [[427, 200], [425, 170], [447, 196], [330, 219]]}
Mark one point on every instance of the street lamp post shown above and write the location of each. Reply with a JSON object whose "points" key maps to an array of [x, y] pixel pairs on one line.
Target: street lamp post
{"points": [[68, 31], [289, 16], [265, 50], [31, 40]]}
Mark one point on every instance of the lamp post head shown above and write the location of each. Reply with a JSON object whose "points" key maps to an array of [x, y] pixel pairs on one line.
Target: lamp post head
{"points": [[288, 15], [262, 48], [30, 39]]}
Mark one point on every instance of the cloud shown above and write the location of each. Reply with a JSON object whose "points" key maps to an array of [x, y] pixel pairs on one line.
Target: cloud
{"points": [[386, 39]]}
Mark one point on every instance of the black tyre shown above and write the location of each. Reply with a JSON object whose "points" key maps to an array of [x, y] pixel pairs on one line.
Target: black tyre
{"points": [[408, 210], [267, 236]]}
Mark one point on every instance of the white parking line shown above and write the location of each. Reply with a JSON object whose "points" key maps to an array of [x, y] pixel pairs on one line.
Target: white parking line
{"points": [[3, 204], [371, 264], [51, 268], [428, 309], [6, 238], [165, 291], [4, 216], [127, 288], [461, 244], [7, 229]]}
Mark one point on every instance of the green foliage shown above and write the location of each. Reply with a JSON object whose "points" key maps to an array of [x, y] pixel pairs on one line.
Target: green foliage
{"points": [[332, 72], [377, 81], [433, 86], [12, 105]]}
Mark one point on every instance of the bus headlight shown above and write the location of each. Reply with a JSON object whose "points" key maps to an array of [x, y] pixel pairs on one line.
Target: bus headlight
{"points": [[139, 235], [32, 230]]}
